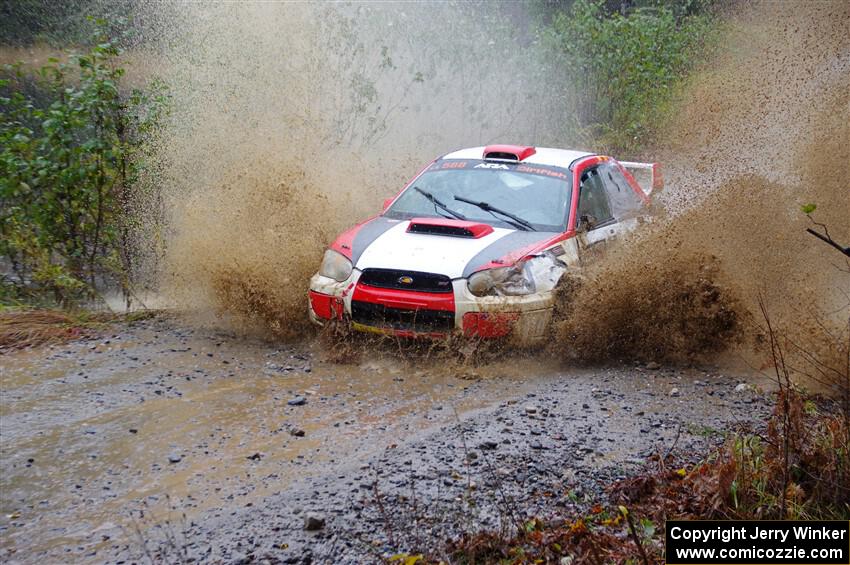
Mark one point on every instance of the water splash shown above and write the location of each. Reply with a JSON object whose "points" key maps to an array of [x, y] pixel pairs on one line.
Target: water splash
{"points": [[761, 131], [293, 121]]}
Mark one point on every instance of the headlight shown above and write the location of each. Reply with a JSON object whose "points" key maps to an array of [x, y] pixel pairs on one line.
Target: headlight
{"points": [[335, 266], [504, 281]]}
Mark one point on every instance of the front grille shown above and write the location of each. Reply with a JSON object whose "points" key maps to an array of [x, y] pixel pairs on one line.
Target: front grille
{"points": [[406, 280], [378, 315]]}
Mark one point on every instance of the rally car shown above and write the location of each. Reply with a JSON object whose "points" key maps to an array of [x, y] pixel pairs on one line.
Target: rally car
{"points": [[476, 243]]}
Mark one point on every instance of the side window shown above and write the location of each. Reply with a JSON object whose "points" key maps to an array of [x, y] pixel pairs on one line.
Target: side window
{"points": [[592, 200], [624, 202]]}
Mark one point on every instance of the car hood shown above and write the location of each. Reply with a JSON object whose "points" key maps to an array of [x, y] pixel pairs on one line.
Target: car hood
{"points": [[385, 243]]}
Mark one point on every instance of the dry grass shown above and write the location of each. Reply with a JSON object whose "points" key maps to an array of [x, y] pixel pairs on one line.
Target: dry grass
{"points": [[20, 329], [28, 328], [742, 480]]}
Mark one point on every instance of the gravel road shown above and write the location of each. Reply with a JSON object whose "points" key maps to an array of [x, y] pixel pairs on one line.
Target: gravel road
{"points": [[161, 442]]}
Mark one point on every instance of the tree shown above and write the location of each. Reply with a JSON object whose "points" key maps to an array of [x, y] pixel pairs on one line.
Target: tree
{"points": [[69, 170]]}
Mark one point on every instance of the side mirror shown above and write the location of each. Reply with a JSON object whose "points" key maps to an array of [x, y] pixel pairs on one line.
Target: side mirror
{"points": [[387, 203], [586, 222]]}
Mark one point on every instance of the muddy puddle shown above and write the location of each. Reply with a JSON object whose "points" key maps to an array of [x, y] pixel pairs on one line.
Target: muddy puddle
{"points": [[158, 418]]}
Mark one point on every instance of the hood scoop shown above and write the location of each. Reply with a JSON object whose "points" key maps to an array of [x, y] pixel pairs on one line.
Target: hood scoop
{"points": [[448, 227]]}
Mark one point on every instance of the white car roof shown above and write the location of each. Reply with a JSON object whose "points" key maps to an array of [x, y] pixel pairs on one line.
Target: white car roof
{"points": [[542, 156]]}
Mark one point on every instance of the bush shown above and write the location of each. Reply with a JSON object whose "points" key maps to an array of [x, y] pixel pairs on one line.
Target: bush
{"points": [[622, 69], [28, 22], [71, 156]]}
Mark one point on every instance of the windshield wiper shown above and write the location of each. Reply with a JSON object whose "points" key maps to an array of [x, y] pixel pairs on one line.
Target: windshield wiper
{"points": [[436, 201], [517, 221]]}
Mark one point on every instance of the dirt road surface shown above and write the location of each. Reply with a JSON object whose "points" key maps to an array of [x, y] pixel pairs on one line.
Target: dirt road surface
{"points": [[159, 442]]}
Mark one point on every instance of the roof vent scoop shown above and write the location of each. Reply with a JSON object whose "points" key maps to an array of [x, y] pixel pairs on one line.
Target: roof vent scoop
{"points": [[451, 228], [508, 152]]}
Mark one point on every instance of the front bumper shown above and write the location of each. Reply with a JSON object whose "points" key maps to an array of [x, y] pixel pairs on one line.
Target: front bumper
{"points": [[523, 320]]}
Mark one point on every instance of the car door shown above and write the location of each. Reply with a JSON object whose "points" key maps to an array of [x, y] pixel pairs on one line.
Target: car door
{"points": [[595, 222], [627, 207]]}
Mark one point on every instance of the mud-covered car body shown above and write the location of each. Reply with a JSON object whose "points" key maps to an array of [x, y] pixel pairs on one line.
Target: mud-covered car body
{"points": [[476, 243]]}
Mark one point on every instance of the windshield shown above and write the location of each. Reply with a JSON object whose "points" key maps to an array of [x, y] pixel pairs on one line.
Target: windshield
{"points": [[536, 194]]}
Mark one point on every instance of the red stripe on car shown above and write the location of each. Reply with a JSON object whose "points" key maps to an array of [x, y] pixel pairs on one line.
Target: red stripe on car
{"points": [[405, 299]]}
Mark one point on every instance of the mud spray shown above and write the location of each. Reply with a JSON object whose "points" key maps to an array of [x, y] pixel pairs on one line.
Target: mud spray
{"points": [[762, 131], [292, 121]]}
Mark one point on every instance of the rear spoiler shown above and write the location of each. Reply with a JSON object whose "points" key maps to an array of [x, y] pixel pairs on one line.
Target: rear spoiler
{"points": [[647, 175]]}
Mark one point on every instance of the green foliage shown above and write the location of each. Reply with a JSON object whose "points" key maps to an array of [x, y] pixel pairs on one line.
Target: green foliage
{"points": [[24, 22], [623, 69], [68, 169]]}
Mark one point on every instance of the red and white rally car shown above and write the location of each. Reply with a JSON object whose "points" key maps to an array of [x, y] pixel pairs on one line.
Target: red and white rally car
{"points": [[476, 243]]}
